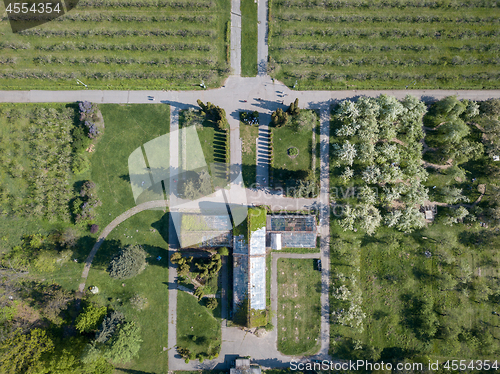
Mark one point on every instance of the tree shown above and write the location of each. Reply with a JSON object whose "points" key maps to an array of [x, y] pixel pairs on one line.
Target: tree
{"points": [[294, 108], [212, 303], [349, 217], [453, 195], [452, 132], [371, 174], [279, 118], [347, 174], [410, 220], [369, 218], [108, 327], [346, 153], [129, 262], [124, 344], [205, 183], [91, 317], [68, 237], [22, 353]]}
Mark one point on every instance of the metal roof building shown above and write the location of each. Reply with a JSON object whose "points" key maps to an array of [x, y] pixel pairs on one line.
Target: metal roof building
{"points": [[297, 231]]}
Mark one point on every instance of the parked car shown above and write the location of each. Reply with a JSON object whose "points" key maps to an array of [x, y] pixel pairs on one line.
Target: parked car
{"points": [[319, 265]]}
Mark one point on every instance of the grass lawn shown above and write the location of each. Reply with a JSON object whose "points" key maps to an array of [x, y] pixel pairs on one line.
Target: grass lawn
{"points": [[127, 128], [295, 135], [299, 288], [152, 233], [197, 330], [248, 38], [248, 135], [119, 45], [394, 276]]}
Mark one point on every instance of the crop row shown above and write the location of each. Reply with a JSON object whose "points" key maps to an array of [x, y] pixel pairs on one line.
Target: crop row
{"points": [[453, 34], [115, 33], [95, 17], [140, 75], [288, 17], [331, 61], [389, 76], [70, 46], [113, 17], [352, 47], [207, 4], [339, 4], [122, 61]]}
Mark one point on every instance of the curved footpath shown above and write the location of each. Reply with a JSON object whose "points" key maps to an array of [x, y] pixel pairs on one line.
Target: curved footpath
{"points": [[122, 217]]}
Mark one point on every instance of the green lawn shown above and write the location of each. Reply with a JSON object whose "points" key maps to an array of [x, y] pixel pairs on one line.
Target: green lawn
{"points": [[151, 234], [120, 45], [248, 135], [248, 38], [197, 329], [299, 289], [296, 134], [127, 127], [395, 277], [383, 45]]}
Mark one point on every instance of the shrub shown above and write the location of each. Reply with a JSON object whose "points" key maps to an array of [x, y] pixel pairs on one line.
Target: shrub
{"points": [[223, 251], [94, 228], [80, 163], [269, 326], [128, 263], [212, 303], [138, 302], [90, 318]]}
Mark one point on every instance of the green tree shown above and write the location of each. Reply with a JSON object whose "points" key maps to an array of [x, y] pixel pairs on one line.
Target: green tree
{"points": [[223, 251], [90, 318], [212, 303], [294, 108], [279, 118], [124, 345], [22, 353], [128, 263]]}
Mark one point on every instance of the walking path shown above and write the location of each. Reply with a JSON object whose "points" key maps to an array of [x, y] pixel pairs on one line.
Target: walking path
{"points": [[235, 57], [262, 33]]}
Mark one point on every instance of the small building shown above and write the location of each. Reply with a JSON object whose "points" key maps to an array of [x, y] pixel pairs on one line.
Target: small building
{"points": [[243, 366], [295, 231], [429, 211]]}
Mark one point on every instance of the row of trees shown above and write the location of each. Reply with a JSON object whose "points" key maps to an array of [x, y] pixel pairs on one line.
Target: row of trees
{"points": [[84, 207]]}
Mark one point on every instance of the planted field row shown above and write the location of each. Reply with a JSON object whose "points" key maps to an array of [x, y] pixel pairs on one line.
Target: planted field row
{"points": [[139, 74], [123, 61], [384, 61], [114, 17], [364, 33], [119, 33], [339, 4], [123, 47], [301, 17], [353, 47], [209, 4]]}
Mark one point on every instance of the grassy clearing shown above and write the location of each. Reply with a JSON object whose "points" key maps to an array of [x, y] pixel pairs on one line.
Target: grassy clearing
{"points": [[248, 135], [395, 276], [398, 45], [165, 46], [248, 38], [293, 148], [198, 330], [127, 128], [299, 288], [151, 234]]}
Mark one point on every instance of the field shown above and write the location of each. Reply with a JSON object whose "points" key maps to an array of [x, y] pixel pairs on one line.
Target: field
{"points": [[120, 44], [299, 288], [296, 136], [400, 304], [150, 230], [248, 135], [127, 128], [198, 330], [214, 144], [248, 38], [392, 45]]}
